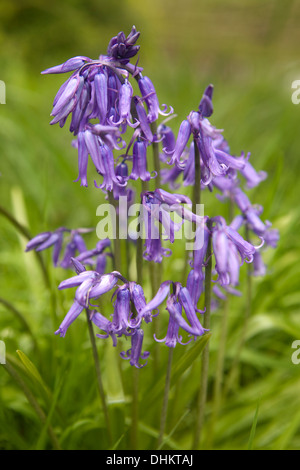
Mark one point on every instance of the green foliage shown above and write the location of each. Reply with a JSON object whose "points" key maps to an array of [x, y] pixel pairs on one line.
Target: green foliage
{"points": [[250, 53]]}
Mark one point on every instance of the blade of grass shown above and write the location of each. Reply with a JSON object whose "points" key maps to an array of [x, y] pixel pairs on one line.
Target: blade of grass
{"points": [[32, 400], [40, 445], [253, 428]]}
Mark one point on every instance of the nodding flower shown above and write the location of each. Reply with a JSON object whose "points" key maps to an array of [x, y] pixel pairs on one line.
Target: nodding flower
{"points": [[230, 251], [97, 89], [150, 97], [179, 297], [91, 285], [139, 159], [175, 312], [96, 257], [124, 108], [56, 240], [134, 354], [213, 153]]}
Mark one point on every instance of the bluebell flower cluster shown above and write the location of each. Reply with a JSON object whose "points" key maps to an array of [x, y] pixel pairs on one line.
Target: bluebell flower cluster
{"points": [[103, 108], [101, 90]]}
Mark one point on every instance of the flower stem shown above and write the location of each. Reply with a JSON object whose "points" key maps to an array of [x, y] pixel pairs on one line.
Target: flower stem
{"points": [[135, 372], [98, 374], [196, 200], [156, 268], [165, 399], [156, 161], [218, 384], [117, 245], [139, 245], [197, 185], [205, 354], [234, 369], [135, 409], [219, 373]]}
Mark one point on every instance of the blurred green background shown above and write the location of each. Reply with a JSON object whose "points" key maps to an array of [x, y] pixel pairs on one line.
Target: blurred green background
{"points": [[249, 51]]}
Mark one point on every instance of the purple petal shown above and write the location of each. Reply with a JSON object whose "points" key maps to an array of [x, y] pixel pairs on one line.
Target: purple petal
{"points": [[68, 66], [182, 140], [77, 280], [162, 293], [82, 160], [100, 82], [37, 240], [71, 316], [107, 282]]}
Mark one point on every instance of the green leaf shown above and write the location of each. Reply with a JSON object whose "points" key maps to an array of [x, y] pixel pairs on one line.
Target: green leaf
{"points": [[253, 428], [32, 372], [178, 369]]}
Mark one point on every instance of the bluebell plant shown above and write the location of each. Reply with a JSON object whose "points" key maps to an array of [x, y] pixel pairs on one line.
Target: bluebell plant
{"points": [[103, 107], [114, 112]]}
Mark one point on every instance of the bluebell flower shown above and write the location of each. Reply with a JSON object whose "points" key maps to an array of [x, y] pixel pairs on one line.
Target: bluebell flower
{"points": [[182, 296], [46, 240], [139, 158], [71, 64], [167, 138], [150, 97], [134, 354], [230, 251], [123, 48], [143, 120], [95, 256], [213, 149], [122, 311], [109, 176], [172, 337], [183, 137], [252, 177], [90, 285], [124, 108], [55, 239], [101, 322], [70, 317]]}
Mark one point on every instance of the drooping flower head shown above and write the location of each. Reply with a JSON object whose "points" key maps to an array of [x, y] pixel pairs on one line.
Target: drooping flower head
{"points": [[177, 300], [100, 89], [75, 244], [134, 354]]}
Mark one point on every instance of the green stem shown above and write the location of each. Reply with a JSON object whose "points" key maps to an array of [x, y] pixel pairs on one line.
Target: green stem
{"points": [[235, 365], [156, 160], [205, 354], [98, 375], [219, 376], [31, 399], [156, 268], [139, 246], [196, 200], [117, 245], [197, 186], [135, 409], [217, 392], [165, 399], [135, 378], [139, 260]]}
